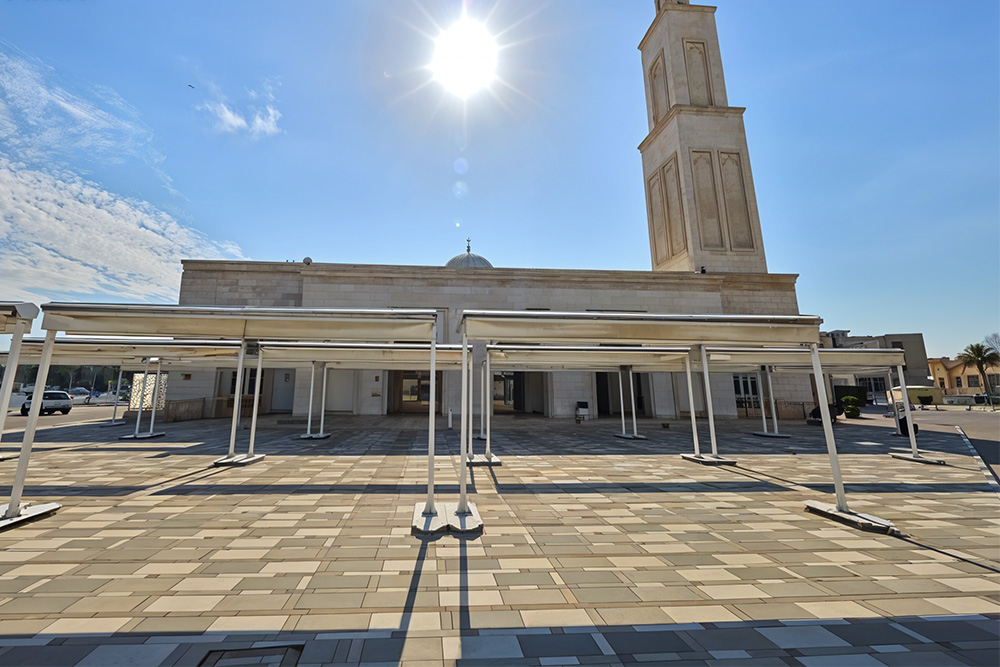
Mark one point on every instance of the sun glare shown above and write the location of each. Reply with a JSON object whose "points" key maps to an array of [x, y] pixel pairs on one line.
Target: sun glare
{"points": [[465, 58]]}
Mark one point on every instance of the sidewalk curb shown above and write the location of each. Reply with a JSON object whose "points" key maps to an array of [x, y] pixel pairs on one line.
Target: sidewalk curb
{"points": [[990, 479]]}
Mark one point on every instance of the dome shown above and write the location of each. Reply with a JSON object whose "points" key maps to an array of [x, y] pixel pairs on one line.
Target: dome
{"points": [[468, 260]]}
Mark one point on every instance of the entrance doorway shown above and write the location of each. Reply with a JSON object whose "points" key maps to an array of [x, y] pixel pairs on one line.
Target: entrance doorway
{"points": [[516, 391], [282, 389], [609, 399], [410, 391]]}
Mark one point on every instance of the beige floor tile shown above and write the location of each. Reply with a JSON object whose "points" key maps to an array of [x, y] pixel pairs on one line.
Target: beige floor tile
{"points": [[248, 624], [700, 614], [299, 567], [190, 603], [837, 609], [83, 626], [470, 598], [733, 592], [547, 618], [633, 615], [333, 622], [206, 584], [966, 605]]}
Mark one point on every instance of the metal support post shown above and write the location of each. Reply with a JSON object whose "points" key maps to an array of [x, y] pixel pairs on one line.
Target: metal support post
{"points": [[7, 386], [906, 408], [429, 508], [256, 401], [156, 397], [463, 502], [694, 419], [312, 387], [631, 392], [621, 399], [489, 406], [14, 506], [470, 402], [831, 445], [760, 396], [237, 399], [892, 400], [118, 393], [774, 404], [322, 400], [142, 398], [708, 402], [482, 401]]}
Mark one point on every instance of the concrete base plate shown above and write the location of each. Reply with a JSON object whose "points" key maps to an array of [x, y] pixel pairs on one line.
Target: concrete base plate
{"points": [[482, 460], [118, 423], [907, 456], [856, 519], [762, 434], [479, 437], [28, 513], [429, 523], [314, 436], [709, 460], [630, 436], [142, 436], [238, 460], [469, 522]]}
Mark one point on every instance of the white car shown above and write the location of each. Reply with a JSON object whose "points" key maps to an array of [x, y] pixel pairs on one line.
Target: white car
{"points": [[52, 401]]}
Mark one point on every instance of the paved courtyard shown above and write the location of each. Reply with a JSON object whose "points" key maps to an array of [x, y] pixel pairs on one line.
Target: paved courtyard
{"points": [[596, 550]]}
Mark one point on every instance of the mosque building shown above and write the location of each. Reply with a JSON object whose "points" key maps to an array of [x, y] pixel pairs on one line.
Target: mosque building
{"points": [[707, 257]]}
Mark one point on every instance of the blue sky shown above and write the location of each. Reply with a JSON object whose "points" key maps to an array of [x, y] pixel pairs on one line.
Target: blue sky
{"points": [[311, 129]]}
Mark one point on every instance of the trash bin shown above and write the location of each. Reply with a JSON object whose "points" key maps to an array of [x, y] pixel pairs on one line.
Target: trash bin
{"points": [[582, 411], [904, 427]]}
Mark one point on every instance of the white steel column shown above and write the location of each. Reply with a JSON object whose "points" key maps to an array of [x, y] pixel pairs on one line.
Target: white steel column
{"points": [[429, 508], [694, 419], [831, 445], [142, 398], [760, 396], [708, 402], [631, 392], [482, 402], [256, 401], [770, 392], [312, 386], [463, 502], [489, 405], [118, 393], [322, 399], [892, 400], [7, 386], [237, 399], [470, 403], [909, 416], [14, 506], [156, 396], [621, 399]]}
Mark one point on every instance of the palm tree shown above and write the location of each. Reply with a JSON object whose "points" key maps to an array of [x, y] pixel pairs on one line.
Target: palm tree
{"points": [[982, 357]]}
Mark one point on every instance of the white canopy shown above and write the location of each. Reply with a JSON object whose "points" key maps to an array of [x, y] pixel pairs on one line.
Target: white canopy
{"points": [[638, 328], [594, 358], [128, 351], [12, 311], [799, 360], [240, 323], [361, 356]]}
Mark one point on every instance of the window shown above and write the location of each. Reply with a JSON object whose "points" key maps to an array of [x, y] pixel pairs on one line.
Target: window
{"points": [[958, 381], [941, 382], [973, 380], [994, 380]]}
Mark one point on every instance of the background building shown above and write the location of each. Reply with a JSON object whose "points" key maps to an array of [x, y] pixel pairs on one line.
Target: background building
{"points": [[706, 246]]}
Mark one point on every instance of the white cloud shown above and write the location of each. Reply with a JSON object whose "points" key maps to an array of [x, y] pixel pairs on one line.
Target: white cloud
{"points": [[227, 120], [45, 118], [64, 237], [254, 120]]}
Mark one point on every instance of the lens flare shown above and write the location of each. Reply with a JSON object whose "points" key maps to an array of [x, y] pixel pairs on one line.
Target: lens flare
{"points": [[465, 58]]}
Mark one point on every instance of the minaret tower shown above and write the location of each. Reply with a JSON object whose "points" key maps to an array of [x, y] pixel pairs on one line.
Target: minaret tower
{"points": [[700, 199]]}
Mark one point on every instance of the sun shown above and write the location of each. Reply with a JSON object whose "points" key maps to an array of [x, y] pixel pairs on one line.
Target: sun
{"points": [[465, 58]]}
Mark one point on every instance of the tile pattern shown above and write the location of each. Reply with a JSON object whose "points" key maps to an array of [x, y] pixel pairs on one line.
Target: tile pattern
{"points": [[596, 549]]}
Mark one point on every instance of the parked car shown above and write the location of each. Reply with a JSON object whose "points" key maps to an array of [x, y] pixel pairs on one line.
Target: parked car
{"points": [[52, 401]]}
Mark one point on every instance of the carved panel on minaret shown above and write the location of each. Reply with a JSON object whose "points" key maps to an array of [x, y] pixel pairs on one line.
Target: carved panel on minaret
{"points": [[676, 235], [658, 233], [699, 81], [706, 200], [734, 194], [658, 86]]}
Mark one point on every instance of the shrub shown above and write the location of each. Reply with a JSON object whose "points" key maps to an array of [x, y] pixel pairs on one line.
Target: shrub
{"points": [[841, 391], [851, 406]]}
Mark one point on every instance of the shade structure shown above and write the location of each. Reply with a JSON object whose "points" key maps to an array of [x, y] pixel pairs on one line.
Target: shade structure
{"points": [[13, 311], [638, 328], [240, 323], [130, 353], [360, 356], [589, 358], [799, 359]]}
